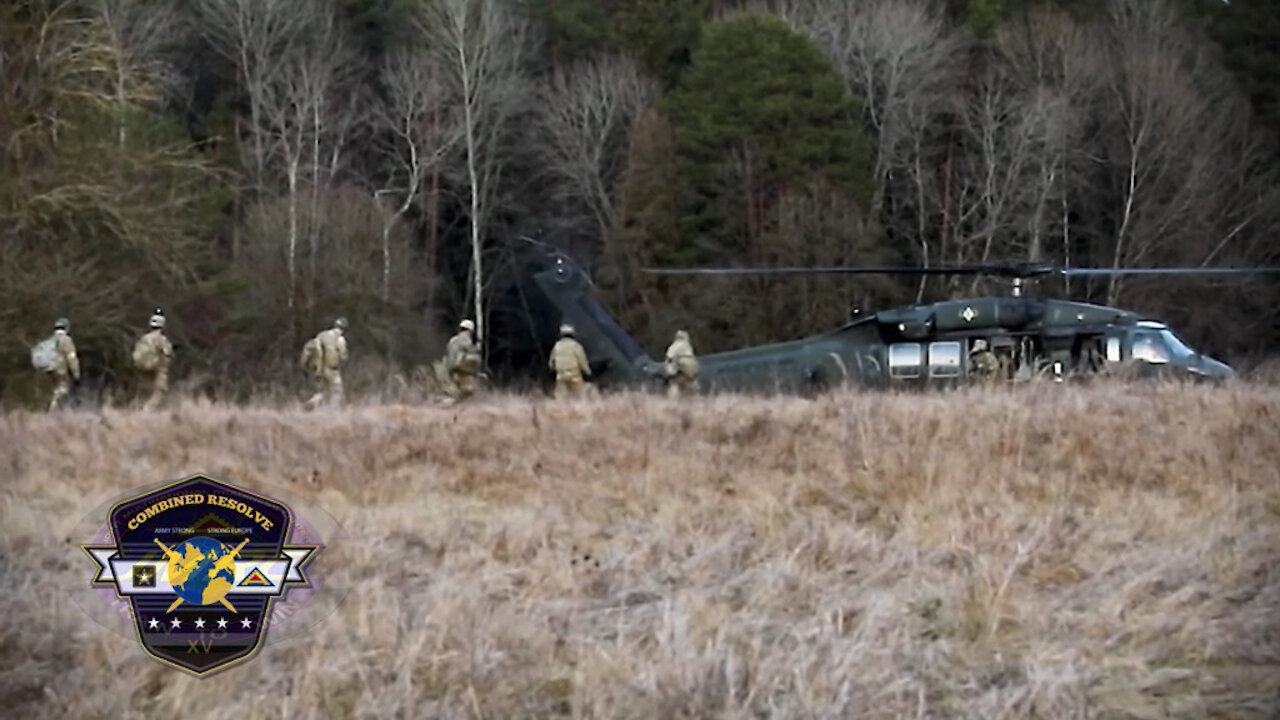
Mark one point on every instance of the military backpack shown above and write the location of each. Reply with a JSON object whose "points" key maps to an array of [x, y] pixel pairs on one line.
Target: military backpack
{"points": [[145, 355], [687, 365], [44, 356], [310, 360]]}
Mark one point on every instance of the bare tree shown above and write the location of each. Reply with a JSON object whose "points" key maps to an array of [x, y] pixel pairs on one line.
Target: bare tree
{"points": [[415, 89], [484, 44], [136, 34], [252, 35], [1049, 55], [906, 65], [1171, 153], [306, 118], [588, 109], [1002, 183], [898, 56]]}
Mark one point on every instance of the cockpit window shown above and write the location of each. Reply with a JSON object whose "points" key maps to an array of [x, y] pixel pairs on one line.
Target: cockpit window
{"points": [[1179, 349], [1149, 346]]}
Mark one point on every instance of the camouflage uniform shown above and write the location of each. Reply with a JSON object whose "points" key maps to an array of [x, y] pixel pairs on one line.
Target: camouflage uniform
{"points": [[68, 367], [682, 366], [156, 344], [986, 367], [461, 361], [332, 353], [569, 363]]}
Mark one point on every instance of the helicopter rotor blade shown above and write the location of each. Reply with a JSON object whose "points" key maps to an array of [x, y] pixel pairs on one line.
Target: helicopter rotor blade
{"points": [[952, 270], [1094, 272], [1012, 270]]}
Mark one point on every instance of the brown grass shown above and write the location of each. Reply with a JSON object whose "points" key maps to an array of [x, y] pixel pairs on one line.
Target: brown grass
{"points": [[1060, 552]]}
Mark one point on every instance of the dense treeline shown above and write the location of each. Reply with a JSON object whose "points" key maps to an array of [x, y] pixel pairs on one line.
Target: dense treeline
{"points": [[256, 167]]}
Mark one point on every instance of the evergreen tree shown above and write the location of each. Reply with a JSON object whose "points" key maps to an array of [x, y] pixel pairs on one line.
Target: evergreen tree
{"points": [[760, 113]]}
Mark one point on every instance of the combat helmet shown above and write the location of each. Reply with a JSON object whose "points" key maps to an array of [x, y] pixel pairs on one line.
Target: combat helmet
{"points": [[341, 322], [467, 325], [566, 330], [62, 324], [979, 345]]}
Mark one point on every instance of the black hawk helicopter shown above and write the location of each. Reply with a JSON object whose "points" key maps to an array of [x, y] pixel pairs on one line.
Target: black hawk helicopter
{"points": [[916, 346]]}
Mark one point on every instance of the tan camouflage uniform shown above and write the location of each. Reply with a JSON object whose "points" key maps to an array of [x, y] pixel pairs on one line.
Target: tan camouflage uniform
{"points": [[461, 361], [682, 366], [333, 353], [159, 345], [68, 368], [986, 367], [569, 363]]}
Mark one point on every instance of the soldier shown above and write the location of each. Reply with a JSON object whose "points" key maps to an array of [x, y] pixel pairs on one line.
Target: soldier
{"points": [[569, 363], [56, 356], [682, 366], [152, 354], [462, 361], [323, 356], [985, 365]]}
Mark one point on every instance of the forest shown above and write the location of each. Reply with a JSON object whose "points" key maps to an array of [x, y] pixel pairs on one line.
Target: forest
{"points": [[256, 168]]}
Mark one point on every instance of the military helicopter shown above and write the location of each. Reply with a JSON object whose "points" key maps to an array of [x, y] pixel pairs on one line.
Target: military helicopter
{"points": [[917, 346]]}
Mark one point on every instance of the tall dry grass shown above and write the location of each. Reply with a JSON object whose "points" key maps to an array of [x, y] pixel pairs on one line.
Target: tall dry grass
{"points": [[1060, 552]]}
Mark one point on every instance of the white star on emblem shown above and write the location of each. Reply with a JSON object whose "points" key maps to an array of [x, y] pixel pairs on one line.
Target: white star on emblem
{"points": [[153, 624], [199, 622], [222, 622], [968, 314], [176, 622], [245, 622]]}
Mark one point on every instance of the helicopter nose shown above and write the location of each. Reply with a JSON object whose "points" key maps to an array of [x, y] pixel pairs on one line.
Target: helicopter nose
{"points": [[1213, 369]]}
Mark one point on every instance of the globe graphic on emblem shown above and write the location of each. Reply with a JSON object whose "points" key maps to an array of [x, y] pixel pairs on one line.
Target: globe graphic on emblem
{"points": [[203, 572]]}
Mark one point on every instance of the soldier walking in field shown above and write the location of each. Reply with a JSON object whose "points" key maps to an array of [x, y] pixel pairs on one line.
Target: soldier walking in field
{"points": [[682, 366], [56, 356], [462, 362], [569, 363], [152, 354], [323, 356]]}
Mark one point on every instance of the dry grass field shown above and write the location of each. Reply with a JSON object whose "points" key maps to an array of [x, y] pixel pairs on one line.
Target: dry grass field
{"points": [[1048, 552]]}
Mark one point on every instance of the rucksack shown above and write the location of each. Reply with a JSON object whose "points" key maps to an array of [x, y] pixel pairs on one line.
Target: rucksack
{"points": [[44, 356], [145, 356], [310, 360], [687, 365]]}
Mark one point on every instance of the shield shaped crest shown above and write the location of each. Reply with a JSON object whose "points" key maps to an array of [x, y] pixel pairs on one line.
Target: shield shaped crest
{"points": [[200, 562]]}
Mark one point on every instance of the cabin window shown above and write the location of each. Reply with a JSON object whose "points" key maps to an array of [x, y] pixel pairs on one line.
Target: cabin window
{"points": [[904, 360], [1113, 349], [944, 359]]}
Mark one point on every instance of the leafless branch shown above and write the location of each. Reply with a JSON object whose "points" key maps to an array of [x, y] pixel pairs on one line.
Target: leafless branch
{"points": [[588, 109]]}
